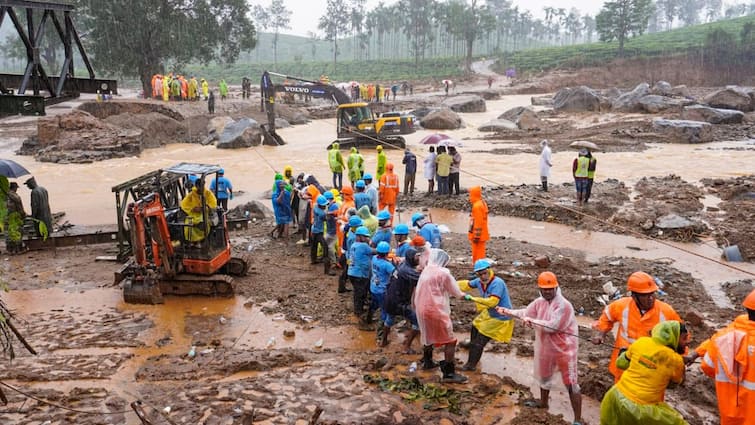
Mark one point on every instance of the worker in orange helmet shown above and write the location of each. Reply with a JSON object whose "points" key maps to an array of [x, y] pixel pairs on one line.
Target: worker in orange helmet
{"points": [[478, 223], [556, 341], [729, 358], [388, 190], [636, 315]]}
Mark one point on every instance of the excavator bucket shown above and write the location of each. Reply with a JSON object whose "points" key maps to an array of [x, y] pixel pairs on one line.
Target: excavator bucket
{"points": [[142, 291]]}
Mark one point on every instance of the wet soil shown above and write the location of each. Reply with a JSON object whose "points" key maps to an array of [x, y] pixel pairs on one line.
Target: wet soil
{"points": [[733, 217]]}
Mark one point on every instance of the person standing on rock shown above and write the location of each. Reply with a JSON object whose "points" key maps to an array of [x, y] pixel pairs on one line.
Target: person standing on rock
{"points": [[433, 308], [652, 364], [14, 235], [223, 87], [40, 206], [556, 341], [489, 323], [453, 176], [546, 163], [580, 173], [222, 188], [410, 170], [429, 170], [478, 234], [729, 358], [590, 175], [636, 316], [335, 161]]}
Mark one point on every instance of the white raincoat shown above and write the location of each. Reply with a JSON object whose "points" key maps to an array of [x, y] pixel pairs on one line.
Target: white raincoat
{"points": [[431, 300], [545, 160]]}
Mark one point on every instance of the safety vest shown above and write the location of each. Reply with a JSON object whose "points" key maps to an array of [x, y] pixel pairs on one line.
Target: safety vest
{"points": [[583, 163], [591, 168], [336, 166]]}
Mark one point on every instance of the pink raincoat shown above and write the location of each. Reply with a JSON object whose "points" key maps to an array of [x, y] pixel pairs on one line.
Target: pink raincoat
{"points": [[556, 343], [431, 300]]}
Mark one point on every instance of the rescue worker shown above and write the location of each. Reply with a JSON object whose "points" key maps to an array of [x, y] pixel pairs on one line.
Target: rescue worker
{"points": [[580, 173], [166, 88], [370, 221], [223, 87], [398, 298], [211, 103], [545, 164], [556, 341], [349, 238], [381, 162], [175, 89], [361, 198], [372, 191], [729, 358], [590, 174], [401, 235], [157, 86], [360, 260], [382, 270], [193, 88], [223, 189], [282, 200], [478, 233], [427, 229], [636, 315], [355, 162], [205, 89], [443, 169], [489, 323], [199, 205], [331, 237], [318, 229], [388, 190], [431, 303], [40, 206], [14, 221], [384, 230], [335, 160], [652, 364], [410, 171], [429, 169], [453, 176]]}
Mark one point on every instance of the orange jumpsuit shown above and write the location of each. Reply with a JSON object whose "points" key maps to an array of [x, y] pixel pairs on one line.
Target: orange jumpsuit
{"points": [[632, 325], [388, 192], [478, 223], [730, 360]]}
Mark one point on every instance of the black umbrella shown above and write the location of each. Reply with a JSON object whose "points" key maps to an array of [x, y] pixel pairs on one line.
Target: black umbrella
{"points": [[12, 169]]}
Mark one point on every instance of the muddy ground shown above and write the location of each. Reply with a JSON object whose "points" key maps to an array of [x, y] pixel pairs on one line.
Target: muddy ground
{"points": [[93, 349]]}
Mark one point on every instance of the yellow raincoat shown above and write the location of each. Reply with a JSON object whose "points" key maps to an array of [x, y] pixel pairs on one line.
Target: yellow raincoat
{"points": [[495, 294], [196, 232]]}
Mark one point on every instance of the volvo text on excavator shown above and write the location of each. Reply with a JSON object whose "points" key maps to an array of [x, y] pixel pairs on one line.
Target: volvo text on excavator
{"points": [[179, 247], [357, 125]]}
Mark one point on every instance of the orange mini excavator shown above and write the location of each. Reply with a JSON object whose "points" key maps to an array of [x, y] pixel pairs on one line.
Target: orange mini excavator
{"points": [[178, 253]]}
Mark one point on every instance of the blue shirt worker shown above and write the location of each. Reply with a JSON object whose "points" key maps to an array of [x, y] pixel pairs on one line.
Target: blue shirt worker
{"points": [[318, 229], [427, 230], [384, 231], [401, 235], [331, 227], [382, 270], [223, 189], [489, 324], [410, 170], [361, 198], [360, 261], [372, 191]]}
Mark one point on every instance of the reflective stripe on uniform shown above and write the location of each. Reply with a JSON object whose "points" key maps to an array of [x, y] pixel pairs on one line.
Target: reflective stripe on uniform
{"points": [[624, 328], [721, 376]]}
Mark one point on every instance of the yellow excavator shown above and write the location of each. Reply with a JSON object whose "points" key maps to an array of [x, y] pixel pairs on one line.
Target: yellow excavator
{"points": [[357, 124]]}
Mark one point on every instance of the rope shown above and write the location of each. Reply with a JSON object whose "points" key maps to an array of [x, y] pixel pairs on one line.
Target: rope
{"points": [[60, 406], [578, 212]]}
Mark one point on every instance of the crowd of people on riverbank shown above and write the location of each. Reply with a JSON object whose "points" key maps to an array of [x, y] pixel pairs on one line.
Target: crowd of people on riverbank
{"points": [[177, 87]]}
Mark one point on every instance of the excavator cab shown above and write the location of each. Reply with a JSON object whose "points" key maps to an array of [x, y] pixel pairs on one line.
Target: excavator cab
{"points": [[180, 247]]}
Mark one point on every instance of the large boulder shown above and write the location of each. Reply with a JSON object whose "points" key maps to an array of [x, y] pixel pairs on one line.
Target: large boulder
{"points": [[158, 129], [243, 133], [712, 115], [630, 101], [282, 123], [732, 97], [577, 99], [298, 118], [661, 88], [465, 103], [654, 103], [612, 94], [442, 119], [422, 112], [681, 91], [684, 131], [541, 100], [217, 124], [524, 118], [497, 125], [487, 94]]}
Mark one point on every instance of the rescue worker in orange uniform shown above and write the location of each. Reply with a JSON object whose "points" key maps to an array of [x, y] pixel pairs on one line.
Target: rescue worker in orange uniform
{"points": [[636, 316], [478, 223], [729, 358], [388, 190]]}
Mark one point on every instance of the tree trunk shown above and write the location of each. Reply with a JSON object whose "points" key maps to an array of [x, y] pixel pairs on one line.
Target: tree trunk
{"points": [[468, 59], [621, 45]]}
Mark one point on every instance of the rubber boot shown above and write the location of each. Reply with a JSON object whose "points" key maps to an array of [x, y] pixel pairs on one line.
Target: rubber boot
{"points": [[384, 337], [427, 358], [449, 373], [475, 353], [326, 265], [342, 284], [380, 332], [545, 185]]}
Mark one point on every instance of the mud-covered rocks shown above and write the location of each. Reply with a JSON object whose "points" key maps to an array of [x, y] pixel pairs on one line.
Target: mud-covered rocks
{"points": [[541, 100], [158, 129], [732, 97], [684, 131], [661, 88], [523, 118], [442, 119], [243, 133], [712, 115], [465, 103], [253, 209], [630, 101], [577, 99], [654, 104], [497, 125]]}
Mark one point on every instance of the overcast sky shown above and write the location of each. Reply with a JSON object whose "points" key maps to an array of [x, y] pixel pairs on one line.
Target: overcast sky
{"points": [[306, 13]]}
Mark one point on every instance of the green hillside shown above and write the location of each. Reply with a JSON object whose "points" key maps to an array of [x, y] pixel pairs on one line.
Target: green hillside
{"points": [[668, 43]]}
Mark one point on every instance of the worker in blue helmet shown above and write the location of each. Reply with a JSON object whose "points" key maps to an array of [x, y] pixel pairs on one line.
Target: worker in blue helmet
{"points": [[491, 292], [382, 270], [360, 262], [384, 230], [398, 297], [349, 232], [427, 229], [361, 198], [222, 188], [401, 236], [318, 228], [372, 191], [331, 227]]}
